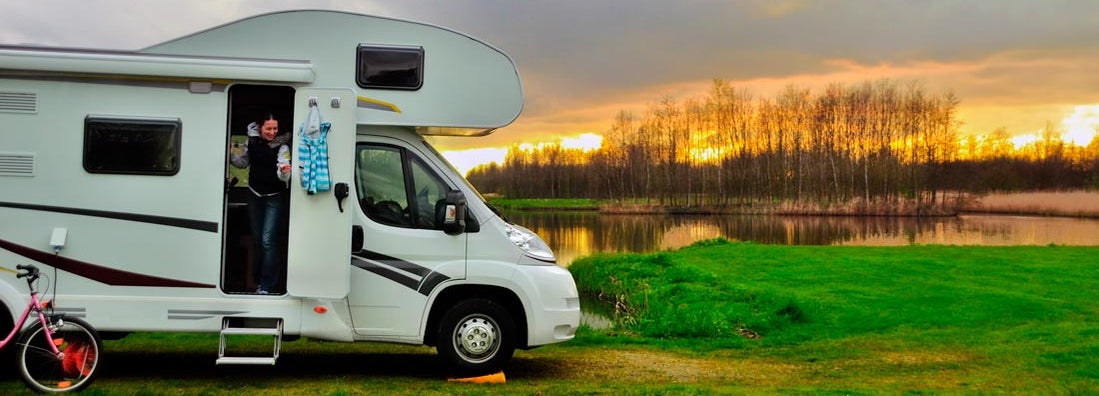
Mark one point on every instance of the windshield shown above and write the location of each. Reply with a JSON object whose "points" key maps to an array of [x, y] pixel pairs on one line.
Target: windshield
{"points": [[456, 172]]}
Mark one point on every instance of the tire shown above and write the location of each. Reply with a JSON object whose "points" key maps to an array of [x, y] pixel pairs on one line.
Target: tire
{"points": [[43, 371], [7, 354], [476, 337]]}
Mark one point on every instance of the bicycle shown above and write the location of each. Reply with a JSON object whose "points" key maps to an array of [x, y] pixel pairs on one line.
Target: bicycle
{"points": [[57, 353]]}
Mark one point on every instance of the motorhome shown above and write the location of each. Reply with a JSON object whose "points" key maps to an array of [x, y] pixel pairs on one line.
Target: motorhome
{"points": [[114, 179]]}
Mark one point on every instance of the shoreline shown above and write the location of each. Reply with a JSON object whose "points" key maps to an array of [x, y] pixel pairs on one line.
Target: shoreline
{"points": [[1040, 213], [1068, 204], [783, 210]]}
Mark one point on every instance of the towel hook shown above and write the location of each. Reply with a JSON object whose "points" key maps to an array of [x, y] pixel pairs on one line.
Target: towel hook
{"points": [[312, 101]]}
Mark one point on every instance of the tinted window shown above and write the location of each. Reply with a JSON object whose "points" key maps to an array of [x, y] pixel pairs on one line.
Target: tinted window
{"points": [[381, 185], [132, 146], [398, 189], [430, 196], [390, 67]]}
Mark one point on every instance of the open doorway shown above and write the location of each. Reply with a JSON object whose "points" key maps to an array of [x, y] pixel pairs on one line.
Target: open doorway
{"points": [[242, 267]]}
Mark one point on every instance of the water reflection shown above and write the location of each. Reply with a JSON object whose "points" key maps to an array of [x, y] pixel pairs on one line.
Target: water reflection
{"points": [[575, 234]]}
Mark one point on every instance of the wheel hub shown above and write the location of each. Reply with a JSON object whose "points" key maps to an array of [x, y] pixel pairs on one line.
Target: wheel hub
{"points": [[476, 337]]}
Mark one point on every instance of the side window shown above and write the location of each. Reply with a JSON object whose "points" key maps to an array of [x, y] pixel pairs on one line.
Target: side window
{"points": [[390, 67], [397, 189], [430, 196], [132, 146], [379, 174]]}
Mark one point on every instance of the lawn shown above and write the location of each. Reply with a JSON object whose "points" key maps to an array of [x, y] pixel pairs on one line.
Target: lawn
{"points": [[721, 317], [872, 319], [546, 204]]}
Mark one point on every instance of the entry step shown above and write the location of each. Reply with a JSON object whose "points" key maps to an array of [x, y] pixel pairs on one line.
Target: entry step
{"points": [[246, 360], [248, 326], [250, 331]]}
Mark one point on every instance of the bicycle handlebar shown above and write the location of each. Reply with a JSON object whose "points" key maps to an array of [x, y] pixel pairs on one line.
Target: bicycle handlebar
{"points": [[30, 268]]}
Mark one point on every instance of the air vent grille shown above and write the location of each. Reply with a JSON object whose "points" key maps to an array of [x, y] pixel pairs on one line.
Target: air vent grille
{"points": [[18, 102], [16, 164]]}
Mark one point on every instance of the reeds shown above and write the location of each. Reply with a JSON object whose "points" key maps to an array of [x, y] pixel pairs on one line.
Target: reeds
{"points": [[1039, 203]]}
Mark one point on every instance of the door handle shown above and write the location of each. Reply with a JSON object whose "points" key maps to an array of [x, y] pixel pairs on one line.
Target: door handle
{"points": [[340, 192]]}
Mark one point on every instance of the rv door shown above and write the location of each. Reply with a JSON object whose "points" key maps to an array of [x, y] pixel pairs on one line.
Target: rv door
{"points": [[319, 252]]}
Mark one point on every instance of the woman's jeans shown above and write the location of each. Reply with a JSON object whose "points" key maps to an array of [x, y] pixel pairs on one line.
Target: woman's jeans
{"points": [[266, 215]]}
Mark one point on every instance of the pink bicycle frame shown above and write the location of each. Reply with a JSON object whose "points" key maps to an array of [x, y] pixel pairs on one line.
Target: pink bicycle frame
{"points": [[36, 306]]}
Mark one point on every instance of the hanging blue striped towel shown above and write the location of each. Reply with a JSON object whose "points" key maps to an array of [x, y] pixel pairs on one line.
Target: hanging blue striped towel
{"points": [[313, 154]]}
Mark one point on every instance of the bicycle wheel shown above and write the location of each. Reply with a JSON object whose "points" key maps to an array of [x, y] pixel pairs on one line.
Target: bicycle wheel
{"points": [[43, 371]]}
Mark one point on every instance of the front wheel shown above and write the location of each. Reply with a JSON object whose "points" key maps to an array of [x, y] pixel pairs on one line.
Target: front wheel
{"points": [[7, 355], [476, 336], [44, 371]]}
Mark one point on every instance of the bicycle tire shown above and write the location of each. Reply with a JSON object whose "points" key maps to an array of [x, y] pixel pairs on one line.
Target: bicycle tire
{"points": [[44, 372], [7, 354]]}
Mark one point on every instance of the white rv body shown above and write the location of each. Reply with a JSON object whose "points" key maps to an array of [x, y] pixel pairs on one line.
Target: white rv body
{"points": [[158, 246]]}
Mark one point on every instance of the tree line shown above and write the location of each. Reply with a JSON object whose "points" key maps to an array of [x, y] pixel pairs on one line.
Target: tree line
{"points": [[878, 141]]}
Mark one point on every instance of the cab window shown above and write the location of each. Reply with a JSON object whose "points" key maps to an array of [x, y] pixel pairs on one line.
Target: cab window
{"points": [[398, 189]]}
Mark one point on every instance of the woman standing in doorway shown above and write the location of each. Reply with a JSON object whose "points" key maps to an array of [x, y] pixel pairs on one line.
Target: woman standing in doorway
{"points": [[268, 153]]}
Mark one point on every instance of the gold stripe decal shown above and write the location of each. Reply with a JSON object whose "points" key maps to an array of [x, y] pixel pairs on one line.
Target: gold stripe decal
{"points": [[368, 103]]}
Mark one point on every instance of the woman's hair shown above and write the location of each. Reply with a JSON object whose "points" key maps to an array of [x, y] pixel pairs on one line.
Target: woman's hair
{"points": [[268, 116]]}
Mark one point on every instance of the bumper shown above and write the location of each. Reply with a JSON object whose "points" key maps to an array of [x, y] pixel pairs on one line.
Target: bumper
{"points": [[554, 307]]}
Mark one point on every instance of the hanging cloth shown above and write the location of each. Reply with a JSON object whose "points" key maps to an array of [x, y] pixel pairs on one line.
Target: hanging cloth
{"points": [[313, 153]]}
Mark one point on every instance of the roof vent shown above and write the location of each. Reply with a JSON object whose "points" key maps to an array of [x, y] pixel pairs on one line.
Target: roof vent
{"points": [[18, 102], [16, 164]]}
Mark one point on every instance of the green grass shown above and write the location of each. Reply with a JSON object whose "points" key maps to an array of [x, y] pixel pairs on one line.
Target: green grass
{"points": [[656, 296], [990, 319], [829, 320], [546, 204]]}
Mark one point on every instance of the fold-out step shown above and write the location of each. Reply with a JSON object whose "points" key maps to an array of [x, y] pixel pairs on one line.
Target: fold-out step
{"points": [[249, 331], [254, 360], [238, 326]]}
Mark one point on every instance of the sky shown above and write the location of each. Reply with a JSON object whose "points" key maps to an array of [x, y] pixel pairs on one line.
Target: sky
{"points": [[1013, 64]]}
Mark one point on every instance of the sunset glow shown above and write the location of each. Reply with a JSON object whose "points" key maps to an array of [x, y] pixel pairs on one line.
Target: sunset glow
{"points": [[464, 160], [707, 154], [1082, 125], [1077, 129], [1023, 140], [1022, 64], [586, 142]]}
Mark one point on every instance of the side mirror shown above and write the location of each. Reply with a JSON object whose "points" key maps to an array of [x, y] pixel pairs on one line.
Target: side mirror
{"points": [[454, 213]]}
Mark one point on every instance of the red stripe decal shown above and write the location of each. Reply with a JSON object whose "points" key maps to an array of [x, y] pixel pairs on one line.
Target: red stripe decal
{"points": [[97, 273]]}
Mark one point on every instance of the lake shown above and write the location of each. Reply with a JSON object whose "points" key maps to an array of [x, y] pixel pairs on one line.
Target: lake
{"points": [[576, 234]]}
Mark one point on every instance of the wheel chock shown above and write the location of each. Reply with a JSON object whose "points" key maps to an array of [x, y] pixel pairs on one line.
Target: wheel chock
{"points": [[497, 378]]}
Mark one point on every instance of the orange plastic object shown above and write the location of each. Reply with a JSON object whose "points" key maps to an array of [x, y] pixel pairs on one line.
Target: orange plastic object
{"points": [[497, 378]]}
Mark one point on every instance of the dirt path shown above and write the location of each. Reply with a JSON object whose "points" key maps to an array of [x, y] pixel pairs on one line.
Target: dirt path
{"points": [[636, 365], [914, 370], [586, 369]]}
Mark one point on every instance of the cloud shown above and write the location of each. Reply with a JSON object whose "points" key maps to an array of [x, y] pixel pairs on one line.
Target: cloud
{"points": [[131, 25], [583, 61]]}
